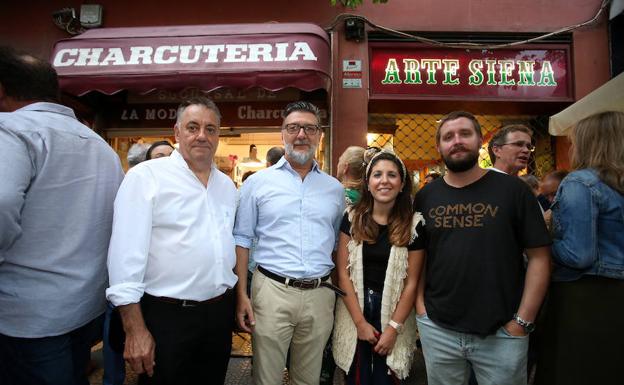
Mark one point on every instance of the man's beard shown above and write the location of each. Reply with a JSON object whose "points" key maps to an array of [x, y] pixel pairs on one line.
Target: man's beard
{"points": [[461, 164], [299, 156]]}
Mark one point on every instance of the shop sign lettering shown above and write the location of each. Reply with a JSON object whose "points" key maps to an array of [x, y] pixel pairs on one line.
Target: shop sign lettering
{"points": [[415, 72]]}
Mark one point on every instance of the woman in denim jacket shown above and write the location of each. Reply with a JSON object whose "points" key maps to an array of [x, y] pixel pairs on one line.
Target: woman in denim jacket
{"points": [[583, 336]]}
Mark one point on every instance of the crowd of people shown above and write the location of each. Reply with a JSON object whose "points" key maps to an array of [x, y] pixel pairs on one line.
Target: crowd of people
{"points": [[471, 265]]}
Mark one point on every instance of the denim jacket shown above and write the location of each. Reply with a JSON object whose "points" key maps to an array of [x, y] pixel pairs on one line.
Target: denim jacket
{"points": [[588, 227]]}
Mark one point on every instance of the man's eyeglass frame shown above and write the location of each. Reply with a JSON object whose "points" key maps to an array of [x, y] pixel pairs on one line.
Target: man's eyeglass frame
{"points": [[309, 129]]}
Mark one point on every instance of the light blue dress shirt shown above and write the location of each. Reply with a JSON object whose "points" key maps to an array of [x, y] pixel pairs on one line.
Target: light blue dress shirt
{"points": [[295, 221], [59, 180]]}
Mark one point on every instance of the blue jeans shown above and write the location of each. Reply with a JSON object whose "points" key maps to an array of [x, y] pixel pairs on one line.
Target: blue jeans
{"points": [[497, 359], [369, 368], [114, 363], [58, 360]]}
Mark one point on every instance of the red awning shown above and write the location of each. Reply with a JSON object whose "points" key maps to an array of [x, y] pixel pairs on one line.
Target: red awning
{"points": [[273, 56]]}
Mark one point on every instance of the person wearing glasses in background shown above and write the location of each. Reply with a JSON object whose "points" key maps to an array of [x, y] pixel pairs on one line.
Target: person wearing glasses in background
{"points": [[293, 209], [159, 149], [510, 149]]}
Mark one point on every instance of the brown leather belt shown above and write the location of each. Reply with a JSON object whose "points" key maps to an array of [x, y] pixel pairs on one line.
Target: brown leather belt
{"points": [[303, 283], [188, 302]]}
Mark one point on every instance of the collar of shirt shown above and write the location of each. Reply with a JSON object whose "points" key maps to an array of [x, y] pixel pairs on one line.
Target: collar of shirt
{"points": [[49, 107], [283, 163]]}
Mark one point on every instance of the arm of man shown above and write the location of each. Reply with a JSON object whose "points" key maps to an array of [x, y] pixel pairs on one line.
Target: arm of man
{"points": [[127, 261], [140, 348], [16, 168], [415, 261], [244, 311], [244, 234], [535, 286]]}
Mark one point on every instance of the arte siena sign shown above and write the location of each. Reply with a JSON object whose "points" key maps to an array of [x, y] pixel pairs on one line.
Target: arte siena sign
{"points": [[412, 72]]}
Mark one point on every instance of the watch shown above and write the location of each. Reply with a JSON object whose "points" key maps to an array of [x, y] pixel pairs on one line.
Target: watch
{"points": [[397, 326], [526, 325]]}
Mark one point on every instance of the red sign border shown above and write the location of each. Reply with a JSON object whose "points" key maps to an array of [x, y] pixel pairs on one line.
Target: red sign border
{"points": [[377, 96]]}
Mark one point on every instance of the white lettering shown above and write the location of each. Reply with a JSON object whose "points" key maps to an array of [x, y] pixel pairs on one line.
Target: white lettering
{"points": [[213, 52], [159, 56], [185, 51], [142, 53], [61, 61], [235, 53], [116, 56], [257, 50], [88, 56], [302, 49]]}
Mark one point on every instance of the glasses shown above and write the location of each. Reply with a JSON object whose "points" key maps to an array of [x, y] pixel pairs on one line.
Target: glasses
{"points": [[521, 144], [294, 128]]}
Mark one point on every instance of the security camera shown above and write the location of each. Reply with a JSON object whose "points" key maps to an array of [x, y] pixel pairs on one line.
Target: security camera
{"points": [[64, 15]]}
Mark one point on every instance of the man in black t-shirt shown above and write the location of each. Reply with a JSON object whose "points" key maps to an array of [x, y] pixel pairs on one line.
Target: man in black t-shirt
{"points": [[476, 305]]}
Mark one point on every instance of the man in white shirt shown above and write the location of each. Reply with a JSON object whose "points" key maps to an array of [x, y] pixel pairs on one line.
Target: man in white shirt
{"points": [[510, 149], [171, 257]]}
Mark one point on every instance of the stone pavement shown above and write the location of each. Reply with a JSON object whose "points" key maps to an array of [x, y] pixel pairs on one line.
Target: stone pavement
{"points": [[239, 369]]}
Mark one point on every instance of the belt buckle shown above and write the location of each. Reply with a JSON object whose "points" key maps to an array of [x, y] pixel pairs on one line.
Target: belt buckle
{"points": [[188, 303]]}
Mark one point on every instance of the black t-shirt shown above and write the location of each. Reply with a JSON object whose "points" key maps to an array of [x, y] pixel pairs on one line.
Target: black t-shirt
{"points": [[475, 237], [375, 255]]}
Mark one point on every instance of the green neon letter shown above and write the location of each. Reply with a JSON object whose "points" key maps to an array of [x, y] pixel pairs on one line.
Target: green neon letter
{"points": [[450, 69], [475, 66], [506, 72], [412, 71], [547, 75], [526, 72], [491, 72], [431, 65], [392, 73]]}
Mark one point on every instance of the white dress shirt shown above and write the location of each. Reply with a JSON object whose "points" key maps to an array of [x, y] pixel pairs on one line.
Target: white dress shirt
{"points": [[172, 236]]}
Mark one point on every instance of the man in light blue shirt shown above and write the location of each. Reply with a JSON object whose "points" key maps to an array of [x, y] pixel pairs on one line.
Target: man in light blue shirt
{"points": [[293, 209], [59, 181]]}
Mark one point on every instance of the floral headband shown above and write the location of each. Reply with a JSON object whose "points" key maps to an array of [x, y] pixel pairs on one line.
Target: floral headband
{"points": [[388, 152]]}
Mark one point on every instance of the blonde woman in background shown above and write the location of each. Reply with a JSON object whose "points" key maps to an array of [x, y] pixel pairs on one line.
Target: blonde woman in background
{"points": [[350, 172], [583, 339]]}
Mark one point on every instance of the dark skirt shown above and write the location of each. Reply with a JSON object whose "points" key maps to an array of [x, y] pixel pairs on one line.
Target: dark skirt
{"points": [[583, 333]]}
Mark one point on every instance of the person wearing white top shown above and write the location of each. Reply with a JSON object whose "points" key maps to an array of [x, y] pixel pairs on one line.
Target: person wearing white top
{"points": [[172, 254]]}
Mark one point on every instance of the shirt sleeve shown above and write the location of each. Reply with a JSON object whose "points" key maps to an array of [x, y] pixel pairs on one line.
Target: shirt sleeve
{"points": [[246, 215], [338, 220], [575, 214], [533, 230], [130, 240], [17, 170]]}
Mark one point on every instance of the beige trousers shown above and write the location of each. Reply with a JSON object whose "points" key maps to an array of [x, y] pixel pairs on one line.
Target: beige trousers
{"points": [[289, 317]]}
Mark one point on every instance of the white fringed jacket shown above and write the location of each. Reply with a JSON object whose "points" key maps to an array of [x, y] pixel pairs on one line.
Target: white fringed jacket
{"points": [[345, 332]]}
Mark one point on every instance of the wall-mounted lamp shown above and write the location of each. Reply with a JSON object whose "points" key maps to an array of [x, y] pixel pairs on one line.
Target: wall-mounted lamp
{"points": [[354, 29], [90, 17]]}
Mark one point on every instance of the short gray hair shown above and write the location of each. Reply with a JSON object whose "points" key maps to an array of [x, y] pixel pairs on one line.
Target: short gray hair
{"points": [[136, 153]]}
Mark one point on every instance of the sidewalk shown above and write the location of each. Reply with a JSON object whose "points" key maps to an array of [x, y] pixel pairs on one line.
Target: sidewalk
{"points": [[239, 369]]}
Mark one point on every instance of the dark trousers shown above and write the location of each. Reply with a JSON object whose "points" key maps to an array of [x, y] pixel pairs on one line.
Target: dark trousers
{"points": [[368, 367], [58, 360], [193, 344], [582, 340]]}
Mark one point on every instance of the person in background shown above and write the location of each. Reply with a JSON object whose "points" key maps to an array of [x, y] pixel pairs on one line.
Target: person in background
{"points": [[253, 154], [159, 149], [136, 154], [583, 339], [293, 209], [431, 177], [274, 155], [532, 182], [59, 180], [510, 149], [548, 187], [380, 257], [350, 172], [171, 257]]}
